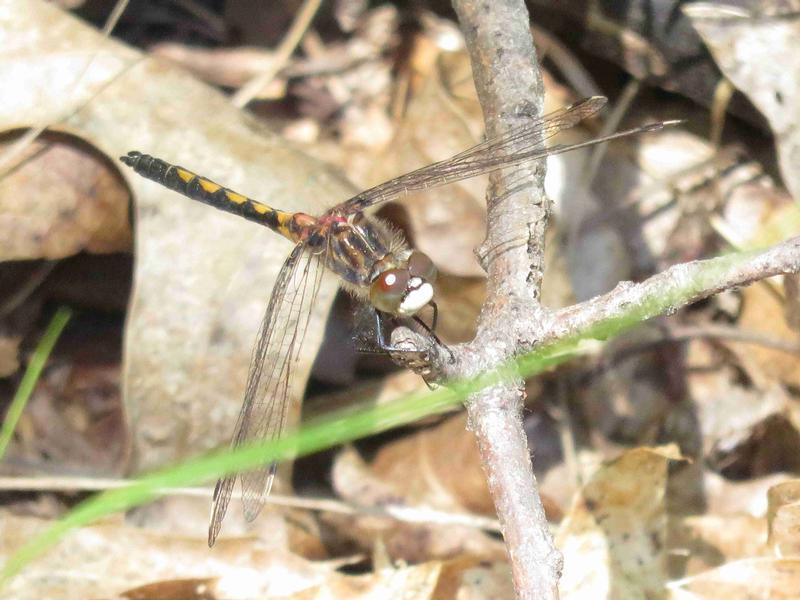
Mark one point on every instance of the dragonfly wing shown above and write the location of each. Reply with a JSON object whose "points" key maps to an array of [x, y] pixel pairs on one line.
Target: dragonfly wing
{"points": [[267, 396], [518, 145]]}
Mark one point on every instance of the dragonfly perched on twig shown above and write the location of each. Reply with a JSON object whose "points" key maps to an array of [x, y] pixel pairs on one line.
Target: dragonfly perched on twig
{"points": [[373, 262]]}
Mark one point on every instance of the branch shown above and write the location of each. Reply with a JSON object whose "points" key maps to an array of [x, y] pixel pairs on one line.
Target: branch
{"points": [[510, 91], [512, 321], [677, 286]]}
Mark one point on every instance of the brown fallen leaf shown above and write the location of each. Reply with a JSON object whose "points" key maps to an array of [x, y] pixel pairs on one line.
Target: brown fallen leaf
{"points": [[467, 578], [202, 279], [437, 467], [354, 481], [783, 518], [109, 558], [707, 541], [61, 198], [763, 313], [772, 578], [614, 536], [759, 52], [9, 354]]}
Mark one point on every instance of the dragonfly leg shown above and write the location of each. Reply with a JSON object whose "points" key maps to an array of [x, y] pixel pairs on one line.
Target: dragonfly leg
{"points": [[380, 339], [387, 347], [431, 331]]}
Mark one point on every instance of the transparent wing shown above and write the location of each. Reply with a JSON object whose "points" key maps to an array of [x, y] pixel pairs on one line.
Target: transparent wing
{"points": [[267, 400], [519, 145]]}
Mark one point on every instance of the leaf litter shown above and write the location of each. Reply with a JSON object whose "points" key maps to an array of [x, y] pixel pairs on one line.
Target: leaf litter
{"points": [[633, 517]]}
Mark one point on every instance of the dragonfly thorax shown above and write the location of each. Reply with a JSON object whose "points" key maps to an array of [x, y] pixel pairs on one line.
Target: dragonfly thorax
{"points": [[376, 264]]}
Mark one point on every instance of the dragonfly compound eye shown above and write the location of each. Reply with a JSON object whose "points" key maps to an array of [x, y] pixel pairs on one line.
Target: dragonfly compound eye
{"points": [[389, 289], [420, 265], [399, 293]]}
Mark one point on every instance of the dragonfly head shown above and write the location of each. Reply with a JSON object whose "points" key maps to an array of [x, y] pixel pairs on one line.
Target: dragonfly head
{"points": [[403, 289]]}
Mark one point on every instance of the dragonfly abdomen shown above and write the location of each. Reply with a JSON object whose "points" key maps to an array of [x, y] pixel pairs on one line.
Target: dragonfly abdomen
{"points": [[208, 192]]}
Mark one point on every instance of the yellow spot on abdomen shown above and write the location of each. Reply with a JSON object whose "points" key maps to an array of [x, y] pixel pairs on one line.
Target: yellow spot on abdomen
{"points": [[209, 186], [187, 176], [236, 198], [261, 209]]}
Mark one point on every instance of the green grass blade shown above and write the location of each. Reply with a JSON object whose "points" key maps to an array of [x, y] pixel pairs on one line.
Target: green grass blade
{"points": [[344, 426], [32, 374], [351, 424]]}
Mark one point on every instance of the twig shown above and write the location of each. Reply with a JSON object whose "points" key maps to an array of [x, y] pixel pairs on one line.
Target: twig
{"points": [[287, 46], [405, 514], [510, 89], [680, 333], [512, 321], [666, 291], [567, 63], [620, 108], [27, 288], [13, 153]]}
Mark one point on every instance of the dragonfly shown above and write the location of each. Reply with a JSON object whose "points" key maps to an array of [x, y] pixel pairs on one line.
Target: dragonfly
{"points": [[373, 262]]}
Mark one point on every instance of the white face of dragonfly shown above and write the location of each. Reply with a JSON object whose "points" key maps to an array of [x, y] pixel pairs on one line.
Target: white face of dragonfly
{"points": [[403, 291]]}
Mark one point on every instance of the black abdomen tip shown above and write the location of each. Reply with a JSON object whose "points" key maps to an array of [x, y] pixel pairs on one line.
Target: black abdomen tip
{"points": [[132, 158]]}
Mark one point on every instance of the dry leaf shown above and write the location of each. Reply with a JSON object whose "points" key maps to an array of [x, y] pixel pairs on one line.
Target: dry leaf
{"points": [[764, 314], [469, 579], [771, 578], [708, 541], [202, 278], [355, 482], [760, 54], [614, 536], [784, 518], [60, 198], [438, 467], [109, 558]]}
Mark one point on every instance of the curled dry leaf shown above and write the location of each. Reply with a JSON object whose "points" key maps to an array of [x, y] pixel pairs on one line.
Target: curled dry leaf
{"points": [[86, 559], [61, 198], [708, 541], [354, 481], [9, 355], [760, 54], [614, 536], [437, 467], [772, 578], [784, 518], [202, 278]]}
